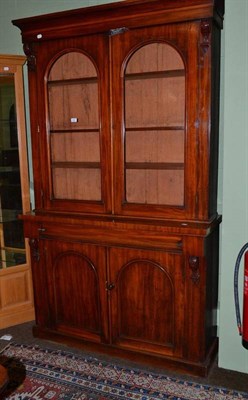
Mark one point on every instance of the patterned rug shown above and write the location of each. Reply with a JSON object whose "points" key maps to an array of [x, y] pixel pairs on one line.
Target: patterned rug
{"points": [[37, 373]]}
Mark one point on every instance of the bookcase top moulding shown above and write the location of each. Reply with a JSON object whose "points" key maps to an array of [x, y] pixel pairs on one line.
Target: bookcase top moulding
{"points": [[126, 13]]}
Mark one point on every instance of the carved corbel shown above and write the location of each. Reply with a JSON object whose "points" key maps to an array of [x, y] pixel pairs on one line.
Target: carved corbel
{"points": [[31, 59], [205, 36], [194, 264], [34, 249]]}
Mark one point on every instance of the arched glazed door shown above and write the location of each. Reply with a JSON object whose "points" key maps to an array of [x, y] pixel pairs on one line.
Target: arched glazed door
{"points": [[154, 92], [74, 132], [153, 145], [73, 99]]}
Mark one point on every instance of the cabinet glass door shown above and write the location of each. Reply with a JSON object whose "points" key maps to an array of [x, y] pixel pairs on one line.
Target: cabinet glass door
{"points": [[16, 291], [11, 229], [154, 85], [74, 128]]}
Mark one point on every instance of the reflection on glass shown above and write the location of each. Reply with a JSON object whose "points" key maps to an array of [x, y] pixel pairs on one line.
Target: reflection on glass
{"points": [[11, 229]]}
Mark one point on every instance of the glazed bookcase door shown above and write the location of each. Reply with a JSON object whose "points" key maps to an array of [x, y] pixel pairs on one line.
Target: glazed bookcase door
{"points": [[154, 85], [76, 135], [154, 144], [74, 128]]}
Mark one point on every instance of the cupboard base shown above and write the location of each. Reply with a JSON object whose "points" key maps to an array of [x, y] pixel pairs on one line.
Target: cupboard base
{"points": [[200, 369]]}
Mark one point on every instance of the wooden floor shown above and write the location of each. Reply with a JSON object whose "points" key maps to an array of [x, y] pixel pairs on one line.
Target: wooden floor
{"points": [[217, 376]]}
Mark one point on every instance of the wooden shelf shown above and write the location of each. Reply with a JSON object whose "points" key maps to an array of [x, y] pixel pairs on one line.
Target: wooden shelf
{"points": [[93, 130], [155, 74], [78, 81], [155, 128], [9, 169], [154, 165]]}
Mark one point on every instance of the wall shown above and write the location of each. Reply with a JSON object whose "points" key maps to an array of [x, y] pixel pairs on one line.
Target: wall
{"points": [[234, 123], [233, 169], [14, 9]]}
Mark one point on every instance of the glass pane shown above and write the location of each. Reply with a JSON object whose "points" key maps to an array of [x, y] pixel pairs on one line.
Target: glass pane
{"points": [[77, 183], [74, 128], [11, 229], [155, 126]]}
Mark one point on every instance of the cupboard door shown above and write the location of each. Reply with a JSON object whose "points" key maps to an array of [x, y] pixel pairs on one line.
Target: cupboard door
{"points": [[75, 139], [147, 300], [154, 168], [76, 276]]}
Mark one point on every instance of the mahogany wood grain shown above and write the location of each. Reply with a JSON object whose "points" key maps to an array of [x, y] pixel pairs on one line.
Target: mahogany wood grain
{"points": [[129, 14], [124, 238]]}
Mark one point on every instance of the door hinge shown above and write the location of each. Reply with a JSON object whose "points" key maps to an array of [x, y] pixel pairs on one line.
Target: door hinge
{"points": [[38, 128]]}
